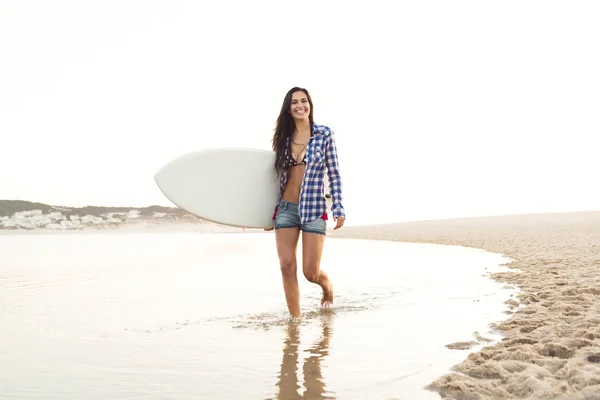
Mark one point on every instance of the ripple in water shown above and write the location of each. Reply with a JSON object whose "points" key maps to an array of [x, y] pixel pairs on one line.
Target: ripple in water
{"points": [[350, 303]]}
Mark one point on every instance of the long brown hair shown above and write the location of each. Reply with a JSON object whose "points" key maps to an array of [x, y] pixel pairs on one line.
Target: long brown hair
{"points": [[285, 126]]}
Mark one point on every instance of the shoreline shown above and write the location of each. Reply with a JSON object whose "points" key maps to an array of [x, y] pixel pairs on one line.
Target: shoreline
{"points": [[550, 346], [550, 339], [133, 227]]}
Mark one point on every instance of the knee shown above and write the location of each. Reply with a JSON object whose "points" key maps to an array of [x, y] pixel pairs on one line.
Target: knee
{"points": [[288, 266], [311, 275]]}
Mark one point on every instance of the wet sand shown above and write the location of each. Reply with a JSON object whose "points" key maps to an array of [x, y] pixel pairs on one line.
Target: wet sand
{"points": [[551, 341]]}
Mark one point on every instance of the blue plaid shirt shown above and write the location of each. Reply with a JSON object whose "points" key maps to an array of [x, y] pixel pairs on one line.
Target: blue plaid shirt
{"points": [[321, 154]]}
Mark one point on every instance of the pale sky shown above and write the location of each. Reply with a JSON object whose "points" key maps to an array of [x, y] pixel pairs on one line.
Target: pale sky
{"points": [[440, 109]]}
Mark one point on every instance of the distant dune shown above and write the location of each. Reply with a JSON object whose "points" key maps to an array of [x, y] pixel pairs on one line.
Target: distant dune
{"points": [[26, 215]]}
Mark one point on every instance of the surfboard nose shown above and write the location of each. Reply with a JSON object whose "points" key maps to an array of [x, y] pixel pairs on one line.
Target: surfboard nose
{"points": [[211, 185]]}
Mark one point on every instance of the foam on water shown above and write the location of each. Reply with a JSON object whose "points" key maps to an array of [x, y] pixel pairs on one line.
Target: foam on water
{"points": [[101, 316]]}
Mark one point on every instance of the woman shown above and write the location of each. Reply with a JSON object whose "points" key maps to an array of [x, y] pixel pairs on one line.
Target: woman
{"points": [[304, 152]]}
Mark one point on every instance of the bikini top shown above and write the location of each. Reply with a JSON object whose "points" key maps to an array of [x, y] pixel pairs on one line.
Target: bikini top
{"points": [[291, 162]]}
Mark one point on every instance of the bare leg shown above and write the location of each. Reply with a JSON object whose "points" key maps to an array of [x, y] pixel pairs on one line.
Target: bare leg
{"points": [[287, 243], [312, 248]]}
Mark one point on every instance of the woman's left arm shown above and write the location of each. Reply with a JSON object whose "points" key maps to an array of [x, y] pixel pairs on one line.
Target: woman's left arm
{"points": [[335, 180]]}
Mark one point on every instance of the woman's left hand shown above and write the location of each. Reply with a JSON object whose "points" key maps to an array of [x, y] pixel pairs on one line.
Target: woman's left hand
{"points": [[339, 222]]}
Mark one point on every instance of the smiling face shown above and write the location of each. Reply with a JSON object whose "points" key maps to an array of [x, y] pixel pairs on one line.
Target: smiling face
{"points": [[300, 107]]}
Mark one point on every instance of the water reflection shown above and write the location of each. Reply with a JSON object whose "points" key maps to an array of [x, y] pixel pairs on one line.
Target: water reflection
{"points": [[170, 334], [314, 384]]}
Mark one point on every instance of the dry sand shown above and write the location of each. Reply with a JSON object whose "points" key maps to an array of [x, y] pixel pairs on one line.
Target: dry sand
{"points": [[551, 342]]}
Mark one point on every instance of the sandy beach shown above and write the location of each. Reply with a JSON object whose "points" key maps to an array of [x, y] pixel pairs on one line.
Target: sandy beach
{"points": [[551, 338]]}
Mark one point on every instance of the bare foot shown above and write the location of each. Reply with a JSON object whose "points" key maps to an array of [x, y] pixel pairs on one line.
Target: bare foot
{"points": [[327, 299]]}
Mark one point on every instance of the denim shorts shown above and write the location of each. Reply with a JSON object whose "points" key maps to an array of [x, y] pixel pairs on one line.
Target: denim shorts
{"points": [[287, 216]]}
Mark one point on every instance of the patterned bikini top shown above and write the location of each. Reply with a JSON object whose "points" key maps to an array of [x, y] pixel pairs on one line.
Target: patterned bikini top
{"points": [[291, 162]]}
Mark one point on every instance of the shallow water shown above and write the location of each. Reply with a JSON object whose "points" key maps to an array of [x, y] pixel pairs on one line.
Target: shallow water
{"points": [[189, 316]]}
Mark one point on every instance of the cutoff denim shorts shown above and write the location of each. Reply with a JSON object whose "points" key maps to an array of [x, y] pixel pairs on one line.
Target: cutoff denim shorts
{"points": [[286, 216]]}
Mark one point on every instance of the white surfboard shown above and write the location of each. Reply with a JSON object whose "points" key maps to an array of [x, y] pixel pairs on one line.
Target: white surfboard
{"points": [[230, 186]]}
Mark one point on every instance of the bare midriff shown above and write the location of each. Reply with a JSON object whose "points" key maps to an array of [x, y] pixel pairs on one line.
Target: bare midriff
{"points": [[291, 192]]}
